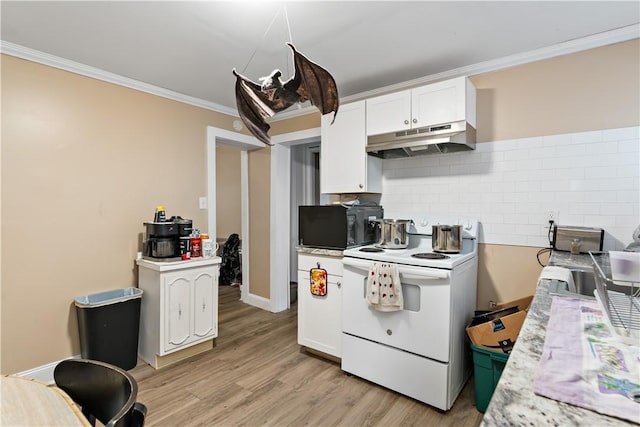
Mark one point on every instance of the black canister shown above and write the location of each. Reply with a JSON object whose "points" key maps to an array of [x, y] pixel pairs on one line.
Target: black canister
{"points": [[185, 226], [160, 214], [185, 246]]}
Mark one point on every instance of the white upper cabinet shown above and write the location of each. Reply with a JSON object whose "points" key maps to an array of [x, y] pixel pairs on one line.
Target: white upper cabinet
{"points": [[388, 113], [345, 166], [438, 103]]}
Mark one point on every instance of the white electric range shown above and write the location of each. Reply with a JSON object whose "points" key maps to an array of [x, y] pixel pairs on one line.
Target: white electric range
{"points": [[420, 351]]}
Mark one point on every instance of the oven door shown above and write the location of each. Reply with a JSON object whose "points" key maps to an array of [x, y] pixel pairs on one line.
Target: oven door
{"points": [[422, 327]]}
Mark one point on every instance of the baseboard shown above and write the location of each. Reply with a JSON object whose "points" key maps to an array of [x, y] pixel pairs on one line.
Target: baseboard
{"points": [[258, 301], [43, 373]]}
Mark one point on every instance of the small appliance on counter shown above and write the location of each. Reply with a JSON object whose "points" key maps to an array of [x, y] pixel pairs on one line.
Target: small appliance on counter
{"points": [[577, 239], [338, 226], [165, 239]]}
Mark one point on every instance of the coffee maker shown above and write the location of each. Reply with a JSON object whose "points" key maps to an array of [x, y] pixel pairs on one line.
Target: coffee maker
{"points": [[163, 238]]}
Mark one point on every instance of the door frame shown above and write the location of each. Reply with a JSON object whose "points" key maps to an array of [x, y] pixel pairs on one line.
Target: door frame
{"points": [[280, 213], [280, 202], [245, 144]]}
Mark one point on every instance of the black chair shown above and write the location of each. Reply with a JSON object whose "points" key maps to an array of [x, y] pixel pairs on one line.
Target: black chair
{"points": [[103, 391]]}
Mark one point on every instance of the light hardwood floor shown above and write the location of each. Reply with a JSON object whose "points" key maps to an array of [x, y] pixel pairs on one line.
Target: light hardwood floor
{"points": [[257, 375]]}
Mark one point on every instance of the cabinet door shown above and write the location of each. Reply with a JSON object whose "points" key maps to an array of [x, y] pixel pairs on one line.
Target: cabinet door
{"points": [[438, 103], [204, 304], [343, 156], [177, 310], [389, 113], [320, 317]]}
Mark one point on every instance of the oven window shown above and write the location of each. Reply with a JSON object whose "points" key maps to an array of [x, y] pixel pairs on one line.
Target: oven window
{"points": [[410, 296]]}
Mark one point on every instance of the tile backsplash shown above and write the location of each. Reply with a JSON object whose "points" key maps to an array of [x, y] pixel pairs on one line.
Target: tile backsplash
{"points": [[589, 179]]}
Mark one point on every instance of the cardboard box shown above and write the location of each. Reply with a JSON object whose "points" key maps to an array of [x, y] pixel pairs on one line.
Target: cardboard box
{"points": [[498, 334], [522, 303], [501, 310]]}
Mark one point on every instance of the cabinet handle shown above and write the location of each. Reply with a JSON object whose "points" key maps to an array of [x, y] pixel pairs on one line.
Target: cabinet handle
{"points": [[204, 305], [339, 284], [406, 122], [415, 120], [360, 185], [179, 311]]}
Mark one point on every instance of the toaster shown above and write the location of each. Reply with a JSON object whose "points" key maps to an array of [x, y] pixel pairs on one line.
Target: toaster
{"points": [[584, 239]]}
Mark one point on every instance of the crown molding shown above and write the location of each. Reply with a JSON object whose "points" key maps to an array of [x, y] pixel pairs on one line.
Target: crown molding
{"points": [[43, 58], [572, 46], [618, 35]]}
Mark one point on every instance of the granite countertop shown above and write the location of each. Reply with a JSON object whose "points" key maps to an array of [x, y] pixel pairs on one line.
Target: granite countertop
{"points": [[319, 251], [514, 402]]}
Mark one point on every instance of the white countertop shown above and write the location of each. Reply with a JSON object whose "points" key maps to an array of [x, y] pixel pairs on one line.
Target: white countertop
{"points": [[178, 265]]}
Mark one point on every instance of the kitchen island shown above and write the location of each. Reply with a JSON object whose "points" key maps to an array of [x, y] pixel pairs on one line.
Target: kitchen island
{"points": [[514, 403]]}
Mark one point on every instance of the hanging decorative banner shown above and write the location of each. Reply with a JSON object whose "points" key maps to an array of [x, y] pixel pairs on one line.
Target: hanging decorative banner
{"points": [[310, 82]]}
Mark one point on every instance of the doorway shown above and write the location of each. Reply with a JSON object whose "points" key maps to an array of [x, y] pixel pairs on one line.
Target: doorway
{"points": [[245, 143], [305, 190], [282, 219], [280, 207]]}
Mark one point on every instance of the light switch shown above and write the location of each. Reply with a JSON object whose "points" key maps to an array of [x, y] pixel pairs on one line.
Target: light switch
{"points": [[203, 203]]}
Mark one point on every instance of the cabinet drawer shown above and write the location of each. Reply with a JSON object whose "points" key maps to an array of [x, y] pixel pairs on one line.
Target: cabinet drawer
{"points": [[333, 265]]}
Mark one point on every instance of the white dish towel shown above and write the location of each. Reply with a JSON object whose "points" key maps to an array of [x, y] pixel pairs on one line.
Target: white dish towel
{"points": [[558, 273], [384, 291]]}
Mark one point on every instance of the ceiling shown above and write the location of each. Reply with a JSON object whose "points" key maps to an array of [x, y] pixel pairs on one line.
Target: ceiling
{"points": [[191, 47]]}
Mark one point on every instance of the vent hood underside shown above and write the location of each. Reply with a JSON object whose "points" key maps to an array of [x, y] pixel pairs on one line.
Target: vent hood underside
{"points": [[447, 138]]}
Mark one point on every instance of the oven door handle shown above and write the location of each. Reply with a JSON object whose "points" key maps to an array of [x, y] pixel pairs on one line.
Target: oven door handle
{"points": [[414, 272]]}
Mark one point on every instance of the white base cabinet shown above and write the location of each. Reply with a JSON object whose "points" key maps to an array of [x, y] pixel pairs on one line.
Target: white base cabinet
{"points": [[320, 317], [179, 308]]}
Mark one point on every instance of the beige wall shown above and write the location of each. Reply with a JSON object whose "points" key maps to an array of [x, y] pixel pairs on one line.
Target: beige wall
{"points": [[295, 124], [506, 273], [259, 222], [228, 202], [84, 164], [590, 90]]}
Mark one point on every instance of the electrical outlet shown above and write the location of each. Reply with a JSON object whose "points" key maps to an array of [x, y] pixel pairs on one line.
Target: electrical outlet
{"points": [[492, 303], [203, 202], [553, 216]]}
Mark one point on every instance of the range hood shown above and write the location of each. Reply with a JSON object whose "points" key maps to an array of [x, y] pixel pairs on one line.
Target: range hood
{"points": [[444, 138]]}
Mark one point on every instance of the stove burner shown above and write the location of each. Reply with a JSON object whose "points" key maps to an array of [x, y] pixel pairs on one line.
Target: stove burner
{"points": [[429, 255], [371, 250]]}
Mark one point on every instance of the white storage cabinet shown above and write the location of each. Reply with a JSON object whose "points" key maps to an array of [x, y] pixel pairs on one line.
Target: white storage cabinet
{"points": [[345, 166], [438, 103], [180, 305], [320, 317]]}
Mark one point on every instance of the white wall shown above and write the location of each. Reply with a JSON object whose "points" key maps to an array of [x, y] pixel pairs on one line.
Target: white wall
{"points": [[588, 178]]}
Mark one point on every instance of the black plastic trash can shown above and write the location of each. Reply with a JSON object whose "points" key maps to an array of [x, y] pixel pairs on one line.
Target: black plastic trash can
{"points": [[109, 323]]}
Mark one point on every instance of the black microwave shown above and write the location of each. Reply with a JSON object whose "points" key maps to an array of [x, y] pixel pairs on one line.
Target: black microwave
{"points": [[337, 226]]}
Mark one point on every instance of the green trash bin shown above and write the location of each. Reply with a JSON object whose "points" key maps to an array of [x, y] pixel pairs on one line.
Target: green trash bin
{"points": [[109, 325], [487, 369]]}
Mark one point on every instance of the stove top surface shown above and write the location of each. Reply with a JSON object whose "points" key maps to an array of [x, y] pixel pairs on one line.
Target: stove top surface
{"points": [[418, 253], [429, 255]]}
